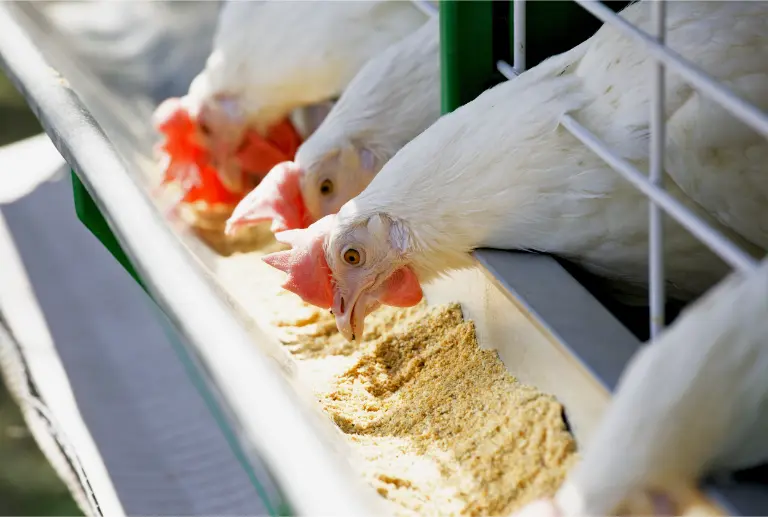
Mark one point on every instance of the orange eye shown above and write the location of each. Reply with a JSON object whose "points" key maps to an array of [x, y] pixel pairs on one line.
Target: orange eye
{"points": [[352, 257]]}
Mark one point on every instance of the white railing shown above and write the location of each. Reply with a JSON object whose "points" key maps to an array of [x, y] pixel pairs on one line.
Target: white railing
{"points": [[652, 184]]}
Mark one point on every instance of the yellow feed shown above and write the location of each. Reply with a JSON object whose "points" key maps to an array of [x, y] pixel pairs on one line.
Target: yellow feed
{"points": [[463, 436]]}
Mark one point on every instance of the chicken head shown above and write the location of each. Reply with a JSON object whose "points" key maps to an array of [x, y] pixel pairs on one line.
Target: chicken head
{"points": [[188, 163], [294, 195], [237, 149], [334, 178], [350, 268], [218, 135]]}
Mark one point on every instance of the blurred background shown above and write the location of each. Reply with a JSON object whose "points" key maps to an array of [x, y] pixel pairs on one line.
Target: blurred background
{"points": [[28, 483]]}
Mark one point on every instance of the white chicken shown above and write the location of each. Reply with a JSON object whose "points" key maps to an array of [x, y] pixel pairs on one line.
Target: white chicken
{"points": [[499, 172], [270, 58], [692, 403], [395, 97], [728, 157], [152, 48]]}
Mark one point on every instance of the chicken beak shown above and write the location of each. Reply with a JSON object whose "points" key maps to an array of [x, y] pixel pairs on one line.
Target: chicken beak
{"points": [[350, 313]]}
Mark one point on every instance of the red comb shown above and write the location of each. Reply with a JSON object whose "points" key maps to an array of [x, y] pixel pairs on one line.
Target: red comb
{"points": [[189, 162], [277, 198], [308, 273], [188, 159]]}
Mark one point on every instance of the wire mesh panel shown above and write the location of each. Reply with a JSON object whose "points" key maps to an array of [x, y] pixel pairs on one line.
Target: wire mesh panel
{"points": [[651, 184], [474, 36]]}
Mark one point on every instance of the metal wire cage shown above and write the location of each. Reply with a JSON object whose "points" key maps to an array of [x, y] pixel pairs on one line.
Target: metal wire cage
{"points": [[651, 184]]}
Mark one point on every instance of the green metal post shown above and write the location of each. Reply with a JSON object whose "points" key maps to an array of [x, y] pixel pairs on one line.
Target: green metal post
{"points": [[466, 50], [91, 217]]}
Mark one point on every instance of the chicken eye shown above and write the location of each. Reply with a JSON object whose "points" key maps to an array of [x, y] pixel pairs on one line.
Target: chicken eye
{"points": [[326, 187], [353, 257], [205, 129]]}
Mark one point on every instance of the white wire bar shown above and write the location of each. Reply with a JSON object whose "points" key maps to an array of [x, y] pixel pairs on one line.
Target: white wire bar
{"points": [[506, 70], [738, 107], [718, 243], [426, 7], [518, 35], [656, 177]]}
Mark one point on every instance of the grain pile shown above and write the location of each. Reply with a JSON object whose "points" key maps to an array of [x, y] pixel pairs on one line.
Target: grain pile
{"points": [[439, 426], [463, 436]]}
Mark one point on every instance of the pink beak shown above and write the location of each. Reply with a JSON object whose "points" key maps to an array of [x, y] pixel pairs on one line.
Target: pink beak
{"points": [[351, 312]]}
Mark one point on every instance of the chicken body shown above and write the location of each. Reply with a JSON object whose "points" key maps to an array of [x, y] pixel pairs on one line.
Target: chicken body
{"points": [[272, 57], [276, 56], [500, 172], [141, 49], [393, 98], [692, 403], [718, 161]]}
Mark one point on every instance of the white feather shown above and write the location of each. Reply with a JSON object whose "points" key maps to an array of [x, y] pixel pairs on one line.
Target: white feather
{"points": [[154, 48], [692, 403], [714, 158], [393, 98], [280, 55]]}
